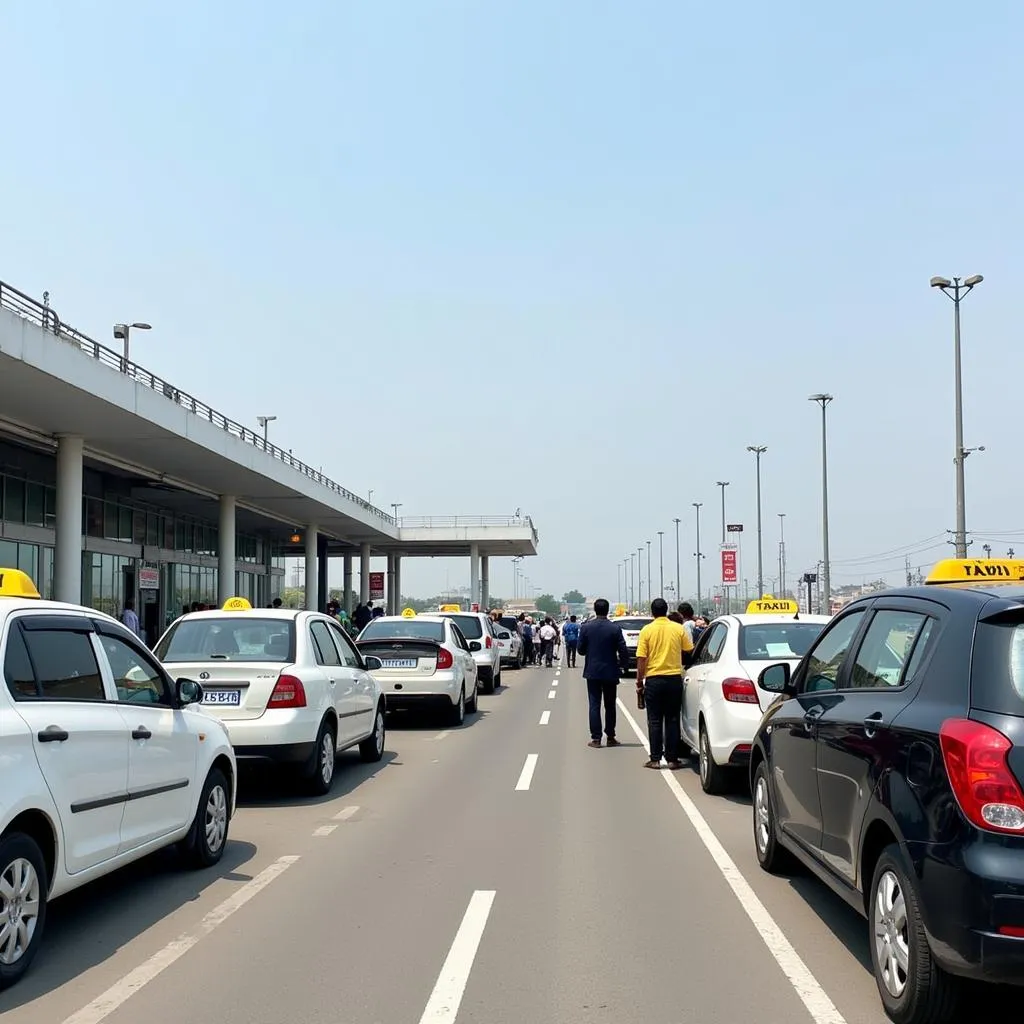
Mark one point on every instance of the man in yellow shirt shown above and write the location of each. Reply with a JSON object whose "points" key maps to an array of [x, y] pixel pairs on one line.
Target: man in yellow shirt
{"points": [[662, 649]]}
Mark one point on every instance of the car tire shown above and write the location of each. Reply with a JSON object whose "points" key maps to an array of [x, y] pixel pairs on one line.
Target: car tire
{"points": [[473, 703], [458, 711], [486, 681], [917, 991], [371, 749], [770, 855], [320, 775], [204, 845], [497, 680], [714, 778], [22, 865]]}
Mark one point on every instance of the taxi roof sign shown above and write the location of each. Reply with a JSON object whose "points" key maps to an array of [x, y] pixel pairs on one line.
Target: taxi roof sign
{"points": [[768, 605], [236, 604], [408, 613], [977, 570], [15, 583], [451, 607]]}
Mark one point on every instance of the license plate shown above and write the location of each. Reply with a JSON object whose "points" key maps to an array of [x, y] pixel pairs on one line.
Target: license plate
{"points": [[232, 698], [399, 663]]}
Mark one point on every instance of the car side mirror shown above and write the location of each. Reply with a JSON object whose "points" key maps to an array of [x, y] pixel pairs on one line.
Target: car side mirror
{"points": [[775, 679], [372, 663], [474, 645], [188, 692]]}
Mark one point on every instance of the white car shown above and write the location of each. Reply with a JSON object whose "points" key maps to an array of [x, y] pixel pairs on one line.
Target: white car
{"points": [[631, 626], [425, 661], [510, 645], [482, 635], [105, 759], [289, 685], [722, 703]]}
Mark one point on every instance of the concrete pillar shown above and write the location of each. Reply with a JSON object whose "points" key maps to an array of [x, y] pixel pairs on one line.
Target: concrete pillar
{"points": [[398, 584], [323, 588], [67, 556], [391, 606], [312, 577], [346, 585], [364, 573], [474, 573], [485, 583], [226, 550]]}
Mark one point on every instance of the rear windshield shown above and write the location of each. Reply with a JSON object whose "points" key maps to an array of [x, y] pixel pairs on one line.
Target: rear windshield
{"points": [[229, 639], [391, 630], [631, 624], [772, 641], [509, 623], [997, 669], [472, 628]]}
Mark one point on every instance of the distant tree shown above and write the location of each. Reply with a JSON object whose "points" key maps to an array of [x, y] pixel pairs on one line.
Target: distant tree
{"points": [[548, 604], [573, 597]]}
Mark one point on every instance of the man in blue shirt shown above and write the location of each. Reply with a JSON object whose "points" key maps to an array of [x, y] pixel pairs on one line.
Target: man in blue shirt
{"points": [[606, 660], [571, 636]]}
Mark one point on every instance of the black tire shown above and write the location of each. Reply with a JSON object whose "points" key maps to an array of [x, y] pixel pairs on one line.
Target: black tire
{"points": [[486, 680], [473, 703], [770, 855], [16, 852], [457, 714], [371, 749], [497, 680], [714, 778], [320, 773], [928, 995], [204, 845]]}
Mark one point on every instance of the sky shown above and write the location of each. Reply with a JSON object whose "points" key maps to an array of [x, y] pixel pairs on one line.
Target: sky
{"points": [[567, 256]]}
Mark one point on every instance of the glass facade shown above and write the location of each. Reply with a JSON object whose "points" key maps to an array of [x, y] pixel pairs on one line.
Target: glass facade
{"points": [[104, 582], [191, 584], [34, 559]]}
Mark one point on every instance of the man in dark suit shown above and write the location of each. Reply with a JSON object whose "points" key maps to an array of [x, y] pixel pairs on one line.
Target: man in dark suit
{"points": [[606, 659]]}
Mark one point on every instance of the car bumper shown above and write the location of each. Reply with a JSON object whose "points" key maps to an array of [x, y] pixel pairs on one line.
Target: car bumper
{"points": [[287, 735], [731, 729], [440, 688], [631, 659]]}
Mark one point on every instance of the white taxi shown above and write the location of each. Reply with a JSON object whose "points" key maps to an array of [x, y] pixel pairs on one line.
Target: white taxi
{"points": [[631, 626], [105, 758], [289, 685], [722, 703]]}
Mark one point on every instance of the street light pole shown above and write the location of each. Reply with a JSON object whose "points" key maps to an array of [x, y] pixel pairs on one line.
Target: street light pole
{"points": [[725, 589], [697, 506], [957, 290], [396, 505], [264, 422], [650, 580], [758, 451], [640, 576], [661, 561], [122, 332], [782, 554], [826, 582], [679, 581]]}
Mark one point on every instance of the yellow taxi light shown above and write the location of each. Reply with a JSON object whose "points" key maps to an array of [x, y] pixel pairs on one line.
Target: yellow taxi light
{"points": [[15, 583], [620, 610], [977, 570], [768, 605], [408, 613], [236, 604], [451, 607]]}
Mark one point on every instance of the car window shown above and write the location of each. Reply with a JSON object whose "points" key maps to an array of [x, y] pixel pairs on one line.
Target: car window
{"points": [[18, 671], [713, 643], [323, 646], [386, 629], [776, 641], [65, 665], [470, 625], [348, 653], [228, 638], [136, 678], [632, 625], [889, 641], [826, 659], [459, 638]]}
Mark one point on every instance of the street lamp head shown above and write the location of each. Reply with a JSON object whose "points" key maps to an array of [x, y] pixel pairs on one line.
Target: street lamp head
{"points": [[940, 282], [822, 397], [757, 449], [973, 280], [722, 483], [148, 327]]}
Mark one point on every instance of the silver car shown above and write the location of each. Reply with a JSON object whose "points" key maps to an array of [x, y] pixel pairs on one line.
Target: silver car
{"points": [[482, 635]]}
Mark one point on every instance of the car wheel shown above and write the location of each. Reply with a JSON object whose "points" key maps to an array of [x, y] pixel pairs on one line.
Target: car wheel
{"points": [[23, 887], [321, 777], [205, 842], [497, 679], [372, 748], [473, 704], [713, 777], [914, 989], [770, 855], [458, 711], [486, 680]]}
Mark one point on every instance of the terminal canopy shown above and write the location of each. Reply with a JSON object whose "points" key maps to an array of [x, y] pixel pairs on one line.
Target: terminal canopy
{"points": [[977, 570], [15, 583]]}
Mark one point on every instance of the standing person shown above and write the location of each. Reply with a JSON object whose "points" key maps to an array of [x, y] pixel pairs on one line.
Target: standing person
{"points": [[571, 636], [362, 616], [130, 618], [528, 640], [686, 611], [547, 641], [605, 661], [661, 650]]}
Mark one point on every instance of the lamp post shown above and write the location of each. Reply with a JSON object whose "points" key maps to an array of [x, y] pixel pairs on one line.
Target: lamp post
{"points": [[826, 577], [395, 506], [758, 451], [782, 554], [264, 422], [640, 577], [661, 561], [618, 583], [679, 581], [725, 589], [650, 579], [958, 290], [122, 332], [632, 581], [697, 505], [369, 497]]}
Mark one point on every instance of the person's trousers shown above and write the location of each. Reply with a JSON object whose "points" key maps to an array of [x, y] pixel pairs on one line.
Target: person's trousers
{"points": [[602, 690], [547, 648], [664, 699], [570, 652], [528, 651]]}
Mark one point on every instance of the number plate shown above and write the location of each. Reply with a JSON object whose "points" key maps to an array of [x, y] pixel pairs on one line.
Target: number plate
{"points": [[232, 698], [398, 662]]}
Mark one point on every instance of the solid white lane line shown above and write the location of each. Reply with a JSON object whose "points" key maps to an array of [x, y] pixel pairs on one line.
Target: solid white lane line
{"points": [[323, 831], [444, 1002], [441, 735], [345, 813], [545, 717], [552, 694], [807, 987], [121, 991], [526, 775]]}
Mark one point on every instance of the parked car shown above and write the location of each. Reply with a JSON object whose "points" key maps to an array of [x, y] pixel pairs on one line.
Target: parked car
{"points": [[511, 645], [106, 758], [631, 626], [481, 633]]}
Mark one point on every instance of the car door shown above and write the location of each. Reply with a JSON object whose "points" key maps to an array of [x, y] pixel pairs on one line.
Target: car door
{"points": [[793, 729], [460, 645], [79, 736], [163, 749], [706, 654], [364, 689], [339, 680], [856, 741]]}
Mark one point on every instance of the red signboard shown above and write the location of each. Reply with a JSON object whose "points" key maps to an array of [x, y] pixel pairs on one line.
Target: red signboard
{"points": [[729, 567], [376, 586]]}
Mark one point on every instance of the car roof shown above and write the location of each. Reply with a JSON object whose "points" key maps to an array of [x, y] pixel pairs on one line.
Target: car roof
{"points": [[411, 618], [764, 620], [242, 613], [19, 604]]}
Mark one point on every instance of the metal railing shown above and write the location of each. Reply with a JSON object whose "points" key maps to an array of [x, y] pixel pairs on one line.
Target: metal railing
{"points": [[41, 314], [412, 522]]}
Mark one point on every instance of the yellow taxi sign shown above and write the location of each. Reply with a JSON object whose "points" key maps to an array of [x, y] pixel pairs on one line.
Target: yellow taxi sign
{"points": [[15, 583], [620, 610], [408, 613], [451, 607], [977, 570], [768, 605], [236, 604]]}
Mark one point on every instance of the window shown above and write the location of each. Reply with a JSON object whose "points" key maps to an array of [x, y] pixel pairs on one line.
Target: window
{"points": [[137, 679], [14, 500], [713, 644], [348, 652], [777, 641], [632, 625], [459, 638], [18, 671], [890, 640], [223, 638], [35, 505], [419, 628], [65, 664], [326, 652], [828, 655], [471, 626]]}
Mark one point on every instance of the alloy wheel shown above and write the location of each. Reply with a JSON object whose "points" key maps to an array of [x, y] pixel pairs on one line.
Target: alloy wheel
{"points": [[19, 909]]}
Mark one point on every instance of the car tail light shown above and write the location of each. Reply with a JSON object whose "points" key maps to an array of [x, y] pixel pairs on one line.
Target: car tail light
{"points": [[288, 693], [1015, 931], [739, 691], [984, 786], [444, 658], [487, 643]]}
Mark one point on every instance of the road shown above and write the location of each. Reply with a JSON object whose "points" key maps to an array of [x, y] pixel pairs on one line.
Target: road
{"points": [[501, 873]]}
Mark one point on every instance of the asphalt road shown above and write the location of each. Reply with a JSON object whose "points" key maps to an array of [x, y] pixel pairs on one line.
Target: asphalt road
{"points": [[501, 873]]}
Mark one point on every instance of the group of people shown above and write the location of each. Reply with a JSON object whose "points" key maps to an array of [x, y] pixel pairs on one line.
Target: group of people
{"points": [[540, 640]]}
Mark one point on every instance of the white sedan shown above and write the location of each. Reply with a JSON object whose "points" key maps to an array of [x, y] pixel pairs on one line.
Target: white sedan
{"points": [[722, 703], [289, 685]]}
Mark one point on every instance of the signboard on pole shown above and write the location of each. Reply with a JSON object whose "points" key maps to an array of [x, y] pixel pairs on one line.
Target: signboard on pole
{"points": [[376, 586], [729, 569], [734, 528]]}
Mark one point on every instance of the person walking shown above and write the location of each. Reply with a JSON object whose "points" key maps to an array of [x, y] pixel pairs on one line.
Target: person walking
{"points": [[661, 651], [527, 628], [605, 661], [571, 636], [547, 642], [130, 618]]}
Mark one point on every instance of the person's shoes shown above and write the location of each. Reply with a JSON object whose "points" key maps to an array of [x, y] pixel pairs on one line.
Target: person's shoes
{"points": [[613, 742], [595, 743], [674, 766], [652, 764]]}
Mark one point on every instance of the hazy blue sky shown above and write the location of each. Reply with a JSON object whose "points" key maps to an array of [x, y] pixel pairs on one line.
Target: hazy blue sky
{"points": [[641, 231]]}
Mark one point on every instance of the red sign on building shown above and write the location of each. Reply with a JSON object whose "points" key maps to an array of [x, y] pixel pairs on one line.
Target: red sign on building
{"points": [[376, 586], [729, 566]]}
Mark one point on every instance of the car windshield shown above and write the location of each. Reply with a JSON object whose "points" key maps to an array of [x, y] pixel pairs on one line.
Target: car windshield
{"points": [[509, 623], [772, 641], [229, 639], [389, 629], [472, 628], [631, 625]]}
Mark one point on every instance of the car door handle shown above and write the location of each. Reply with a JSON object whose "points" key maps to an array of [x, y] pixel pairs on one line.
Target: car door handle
{"points": [[52, 734], [142, 733], [812, 716], [872, 723]]}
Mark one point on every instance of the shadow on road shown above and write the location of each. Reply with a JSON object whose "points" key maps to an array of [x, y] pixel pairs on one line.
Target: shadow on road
{"points": [[268, 786]]}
